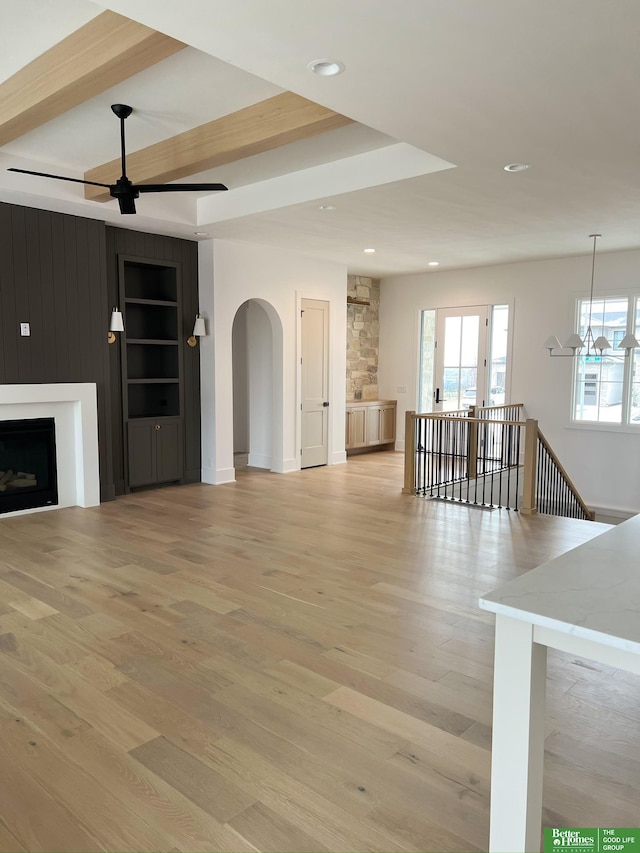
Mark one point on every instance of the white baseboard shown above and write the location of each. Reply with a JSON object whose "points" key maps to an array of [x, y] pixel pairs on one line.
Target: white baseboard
{"points": [[259, 460], [289, 466], [219, 476], [399, 445], [338, 458], [612, 515]]}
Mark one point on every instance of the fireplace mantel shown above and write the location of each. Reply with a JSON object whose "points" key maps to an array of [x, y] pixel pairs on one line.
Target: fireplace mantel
{"points": [[73, 406]]}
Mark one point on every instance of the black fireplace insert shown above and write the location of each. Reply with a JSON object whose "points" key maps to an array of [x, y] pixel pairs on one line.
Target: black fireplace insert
{"points": [[27, 464]]}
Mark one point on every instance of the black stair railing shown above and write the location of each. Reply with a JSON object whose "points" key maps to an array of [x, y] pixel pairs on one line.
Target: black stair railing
{"points": [[487, 457]]}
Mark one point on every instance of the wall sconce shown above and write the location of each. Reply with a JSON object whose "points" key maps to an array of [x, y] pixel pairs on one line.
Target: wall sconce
{"points": [[115, 325], [199, 331]]}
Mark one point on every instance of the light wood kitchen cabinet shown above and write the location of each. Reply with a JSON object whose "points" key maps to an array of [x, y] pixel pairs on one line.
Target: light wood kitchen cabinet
{"points": [[370, 424]]}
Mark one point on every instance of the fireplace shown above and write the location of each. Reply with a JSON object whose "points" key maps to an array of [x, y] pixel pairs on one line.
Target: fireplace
{"points": [[72, 407], [28, 476]]}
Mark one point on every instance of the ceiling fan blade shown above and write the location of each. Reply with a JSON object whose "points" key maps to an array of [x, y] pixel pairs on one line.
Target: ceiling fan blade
{"points": [[58, 177], [124, 190], [179, 188]]}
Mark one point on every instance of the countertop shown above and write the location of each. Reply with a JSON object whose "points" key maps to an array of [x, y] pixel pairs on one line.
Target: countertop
{"points": [[592, 591]]}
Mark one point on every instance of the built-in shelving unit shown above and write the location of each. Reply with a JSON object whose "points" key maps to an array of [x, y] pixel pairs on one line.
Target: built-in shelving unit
{"points": [[152, 370]]}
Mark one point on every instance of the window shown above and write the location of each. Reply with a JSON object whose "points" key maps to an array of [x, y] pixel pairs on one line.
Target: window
{"points": [[605, 388], [498, 354], [427, 353]]}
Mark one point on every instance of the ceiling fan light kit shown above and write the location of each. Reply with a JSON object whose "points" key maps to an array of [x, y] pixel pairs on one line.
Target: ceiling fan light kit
{"points": [[124, 190]]}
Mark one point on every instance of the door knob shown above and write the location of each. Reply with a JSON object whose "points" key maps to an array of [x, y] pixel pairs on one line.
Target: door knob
{"points": [[325, 405]]}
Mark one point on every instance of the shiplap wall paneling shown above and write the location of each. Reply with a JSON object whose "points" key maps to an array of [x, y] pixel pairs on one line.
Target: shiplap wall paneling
{"points": [[53, 276]]}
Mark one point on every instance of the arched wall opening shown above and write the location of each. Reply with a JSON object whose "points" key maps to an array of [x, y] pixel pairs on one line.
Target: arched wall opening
{"points": [[257, 342]]}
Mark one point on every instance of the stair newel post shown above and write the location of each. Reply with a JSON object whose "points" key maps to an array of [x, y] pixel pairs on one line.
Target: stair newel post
{"points": [[530, 466], [472, 460], [409, 453]]}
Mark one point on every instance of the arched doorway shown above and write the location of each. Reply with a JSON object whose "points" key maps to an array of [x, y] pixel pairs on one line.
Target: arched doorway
{"points": [[257, 386]]}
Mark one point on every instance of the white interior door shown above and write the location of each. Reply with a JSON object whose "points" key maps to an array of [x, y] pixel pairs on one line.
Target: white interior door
{"points": [[460, 369], [315, 383]]}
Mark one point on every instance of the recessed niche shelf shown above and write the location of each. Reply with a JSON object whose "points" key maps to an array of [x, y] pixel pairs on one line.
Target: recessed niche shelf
{"points": [[153, 400], [169, 302], [352, 301]]}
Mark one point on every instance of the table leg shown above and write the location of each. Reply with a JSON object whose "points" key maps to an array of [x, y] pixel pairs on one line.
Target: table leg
{"points": [[518, 738]]}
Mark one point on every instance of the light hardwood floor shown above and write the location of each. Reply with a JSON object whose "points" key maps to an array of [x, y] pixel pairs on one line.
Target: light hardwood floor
{"points": [[285, 663]]}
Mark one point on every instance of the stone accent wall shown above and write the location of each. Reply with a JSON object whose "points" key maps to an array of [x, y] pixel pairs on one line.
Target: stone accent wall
{"points": [[363, 337]]}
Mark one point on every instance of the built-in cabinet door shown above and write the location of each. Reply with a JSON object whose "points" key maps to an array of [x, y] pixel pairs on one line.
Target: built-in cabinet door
{"points": [[373, 425], [356, 433], [142, 455], [155, 451], [169, 450], [387, 423]]}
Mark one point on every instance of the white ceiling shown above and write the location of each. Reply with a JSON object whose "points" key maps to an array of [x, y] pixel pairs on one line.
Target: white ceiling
{"points": [[466, 85]]}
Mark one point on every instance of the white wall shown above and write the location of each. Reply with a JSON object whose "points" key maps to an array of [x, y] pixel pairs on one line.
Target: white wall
{"points": [[240, 349], [604, 464], [260, 386], [230, 273]]}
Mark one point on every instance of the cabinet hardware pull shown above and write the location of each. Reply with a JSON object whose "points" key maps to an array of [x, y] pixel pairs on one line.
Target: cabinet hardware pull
{"points": [[158, 426]]}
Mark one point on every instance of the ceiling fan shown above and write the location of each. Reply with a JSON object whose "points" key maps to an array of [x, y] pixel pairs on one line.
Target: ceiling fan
{"points": [[124, 190]]}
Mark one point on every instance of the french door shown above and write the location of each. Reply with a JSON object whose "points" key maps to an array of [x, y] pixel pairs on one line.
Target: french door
{"points": [[460, 358]]}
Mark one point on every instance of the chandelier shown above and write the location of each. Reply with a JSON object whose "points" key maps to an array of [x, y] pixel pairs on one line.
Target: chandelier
{"points": [[575, 343]]}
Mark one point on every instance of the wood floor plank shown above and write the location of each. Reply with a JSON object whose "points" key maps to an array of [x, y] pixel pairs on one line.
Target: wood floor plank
{"points": [[329, 824], [50, 826], [56, 599], [33, 608], [108, 820], [199, 783], [176, 724], [269, 831], [8, 842], [434, 739], [182, 823]]}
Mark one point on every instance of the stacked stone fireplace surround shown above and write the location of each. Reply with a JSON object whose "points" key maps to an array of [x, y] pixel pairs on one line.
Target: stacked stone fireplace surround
{"points": [[363, 337]]}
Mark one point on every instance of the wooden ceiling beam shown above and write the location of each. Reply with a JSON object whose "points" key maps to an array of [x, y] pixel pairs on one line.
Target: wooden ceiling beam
{"points": [[261, 127], [101, 54]]}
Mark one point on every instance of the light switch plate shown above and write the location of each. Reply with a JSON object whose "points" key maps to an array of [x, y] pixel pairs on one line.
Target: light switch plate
{"points": [[401, 389], [25, 330]]}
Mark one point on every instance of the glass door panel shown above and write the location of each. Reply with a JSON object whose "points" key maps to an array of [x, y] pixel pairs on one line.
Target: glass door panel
{"points": [[460, 363]]}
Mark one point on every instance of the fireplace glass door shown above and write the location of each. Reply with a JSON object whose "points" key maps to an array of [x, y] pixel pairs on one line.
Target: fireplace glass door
{"points": [[27, 464]]}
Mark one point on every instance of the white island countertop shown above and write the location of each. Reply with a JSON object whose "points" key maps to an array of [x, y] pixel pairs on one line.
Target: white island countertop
{"points": [[591, 592]]}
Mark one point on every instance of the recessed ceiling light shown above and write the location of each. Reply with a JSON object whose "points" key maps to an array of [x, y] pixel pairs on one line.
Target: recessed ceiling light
{"points": [[434, 263], [517, 167], [201, 233], [326, 67], [327, 207], [369, 251]]}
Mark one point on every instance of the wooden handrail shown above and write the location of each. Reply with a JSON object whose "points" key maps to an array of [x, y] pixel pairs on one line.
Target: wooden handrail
{"points": [[576, 494], [504, 406], [439, 415]]}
